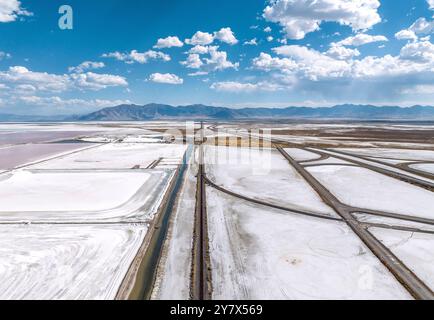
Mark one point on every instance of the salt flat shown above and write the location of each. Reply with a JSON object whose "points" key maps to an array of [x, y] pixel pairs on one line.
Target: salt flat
{"points": [[369, 218], [427, 167], [81, 195], [66, 262], [117, 156], [367, 189], [263, 175], [301, 155], [414, 249], [378, 165], [301, 140], [71, 226], [388, 161], [257, 253], [397, 154], [330, 160], [68, 191], [142, 139]]}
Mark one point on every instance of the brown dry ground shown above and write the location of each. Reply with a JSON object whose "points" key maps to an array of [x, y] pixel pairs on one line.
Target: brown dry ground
{"points": [[363, 134]]}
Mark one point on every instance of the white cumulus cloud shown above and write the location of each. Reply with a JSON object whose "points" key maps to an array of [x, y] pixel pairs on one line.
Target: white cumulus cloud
{"points": [[167, 78], [268, 63], [300, 17], [24, 80], [370, 78], [214, 61], [226, 35], [252, 42], [218, 60], [169, 42], [406, 35], [422, 52], [10, 10], [43, 81], [95, 81], [361, 39], [200, 38], [193, 61], [244, 87], [87, 65], [342, 53], [422, 26], [198, 49], [139, 57], [415, 60]]}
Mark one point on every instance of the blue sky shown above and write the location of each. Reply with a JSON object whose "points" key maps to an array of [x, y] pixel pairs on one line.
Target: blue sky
{"points": [[232, 53]]}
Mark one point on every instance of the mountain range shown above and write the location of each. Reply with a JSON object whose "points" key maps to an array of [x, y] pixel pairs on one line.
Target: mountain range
{"points": [[155, 111], [348, 111]]}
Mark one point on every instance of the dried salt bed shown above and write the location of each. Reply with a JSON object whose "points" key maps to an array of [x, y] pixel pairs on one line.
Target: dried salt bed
{"points": [[81, 195], [301, 155], [367, 189], [370, 218], [264, 175], [66, 262], [259, 253], [117, 156], [416, 250], [329, 160], [427, 167], [397, 154], [376, 164]]}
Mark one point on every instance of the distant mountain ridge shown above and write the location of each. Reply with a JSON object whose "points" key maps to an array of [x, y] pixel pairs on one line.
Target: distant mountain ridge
{"points": [[155, 111], [158, 112], [348, 111]]}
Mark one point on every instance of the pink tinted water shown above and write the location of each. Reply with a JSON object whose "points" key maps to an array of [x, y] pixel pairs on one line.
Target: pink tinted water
{"points": [[13, 156], [11, 138]]}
